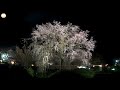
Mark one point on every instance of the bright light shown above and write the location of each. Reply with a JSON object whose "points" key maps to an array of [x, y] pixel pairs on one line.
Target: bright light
{"points": [[116, 61], [3, 15], [1, 61], [97, 65], [12, 62], [113, 69], [32, 65], [4, 56], [100, 65], [81, 67]]}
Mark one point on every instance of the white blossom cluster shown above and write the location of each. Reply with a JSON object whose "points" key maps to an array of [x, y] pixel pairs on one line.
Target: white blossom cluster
{"points": [[69, 41]]}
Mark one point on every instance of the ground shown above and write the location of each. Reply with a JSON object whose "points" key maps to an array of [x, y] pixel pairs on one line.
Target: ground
{"points": [[17, 73]]}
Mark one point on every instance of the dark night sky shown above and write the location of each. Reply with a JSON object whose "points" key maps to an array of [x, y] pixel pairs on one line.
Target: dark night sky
{"points": [[102, 21]]}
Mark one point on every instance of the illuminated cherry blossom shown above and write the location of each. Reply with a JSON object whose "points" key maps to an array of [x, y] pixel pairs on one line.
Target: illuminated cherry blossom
{"points": [[68, 42]]}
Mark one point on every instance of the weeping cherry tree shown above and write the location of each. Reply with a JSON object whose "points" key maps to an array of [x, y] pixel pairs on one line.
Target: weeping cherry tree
{"points": [[61, 45]]}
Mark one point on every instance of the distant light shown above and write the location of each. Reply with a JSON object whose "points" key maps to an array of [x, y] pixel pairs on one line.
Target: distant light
{"points": [[106, 65], [32, 65], [12, 62], [97, 65], [116, 61], [4, 56], [100, 65], [113, 69], [1, 61], [50, 63], [81, 67], [3, 15]]}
